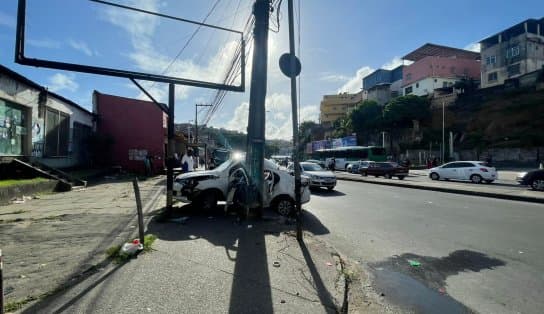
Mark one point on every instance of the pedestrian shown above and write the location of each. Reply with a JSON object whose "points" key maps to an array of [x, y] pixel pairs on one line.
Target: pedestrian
{"points": [[147, 166], [332, 164], [187, 161], [435, 162]]}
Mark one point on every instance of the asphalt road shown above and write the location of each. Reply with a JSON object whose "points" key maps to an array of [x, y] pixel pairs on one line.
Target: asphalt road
{"points": [[480, 253]]}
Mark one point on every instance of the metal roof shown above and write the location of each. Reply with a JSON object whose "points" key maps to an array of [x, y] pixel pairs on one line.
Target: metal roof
{"points": [[440, 51]]}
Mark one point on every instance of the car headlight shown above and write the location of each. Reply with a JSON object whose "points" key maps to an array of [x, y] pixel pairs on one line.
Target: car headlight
{"points": [[522, 174], [314, 177]]}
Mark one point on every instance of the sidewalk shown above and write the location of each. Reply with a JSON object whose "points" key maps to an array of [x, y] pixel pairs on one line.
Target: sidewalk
{"points": [[49, 241], [211, 264], [496, 190]]}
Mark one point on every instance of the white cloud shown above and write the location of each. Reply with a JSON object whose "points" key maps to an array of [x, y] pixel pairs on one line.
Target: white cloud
{"points": [[395, 62], [239, 120], [7, 20], [334, 78], [355, 84], [44, 43], [60, 81], [81, 46], [473, 47]]}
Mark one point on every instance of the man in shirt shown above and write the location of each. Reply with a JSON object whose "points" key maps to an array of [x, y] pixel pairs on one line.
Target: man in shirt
{"points": [[187, 161]]}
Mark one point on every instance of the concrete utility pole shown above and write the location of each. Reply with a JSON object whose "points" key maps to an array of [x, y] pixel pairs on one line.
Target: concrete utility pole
{"points": [[257, 96], [196, 119], [170, 153], [294, 106]]}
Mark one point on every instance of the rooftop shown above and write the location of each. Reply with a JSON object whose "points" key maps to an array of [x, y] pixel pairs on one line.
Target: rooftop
{"points": [[440, 51], [516, 30]]}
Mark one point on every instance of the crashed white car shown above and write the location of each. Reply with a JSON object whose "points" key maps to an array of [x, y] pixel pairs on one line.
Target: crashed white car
{"points": [[206, 188]]}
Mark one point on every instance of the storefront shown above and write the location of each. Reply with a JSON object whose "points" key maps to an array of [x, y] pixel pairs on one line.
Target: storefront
{"points": [[13, 128]]}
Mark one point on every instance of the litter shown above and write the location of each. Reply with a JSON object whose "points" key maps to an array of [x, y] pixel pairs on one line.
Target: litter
{"points": [[328, 263], [414, 263], [282, 301], [180, 220], [132, 248], [276, 264], [442, 290]]}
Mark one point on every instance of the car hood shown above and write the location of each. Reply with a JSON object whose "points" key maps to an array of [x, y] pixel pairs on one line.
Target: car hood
{"points": [[320, 173], [197, 174]]}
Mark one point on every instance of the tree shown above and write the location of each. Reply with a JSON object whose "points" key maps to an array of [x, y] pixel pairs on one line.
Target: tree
{"points": [[342, 127], [366, 119]]}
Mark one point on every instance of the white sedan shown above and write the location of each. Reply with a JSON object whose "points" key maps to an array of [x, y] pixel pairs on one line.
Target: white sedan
{"points": [[475, 171], [319, 177]]}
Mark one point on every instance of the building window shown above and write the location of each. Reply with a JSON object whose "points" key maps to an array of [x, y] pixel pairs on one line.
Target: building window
{"points": [[12, 128], [417, 85], [491, 60], [57, 132], [408, 90], [492, 77], [435, 80], [514, 69], [444, 84], [512, 52]]}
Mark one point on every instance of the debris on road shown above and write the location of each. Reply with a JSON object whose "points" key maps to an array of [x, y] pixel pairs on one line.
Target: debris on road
{"points": [[276, 264], [328, 263], [131, 248]]}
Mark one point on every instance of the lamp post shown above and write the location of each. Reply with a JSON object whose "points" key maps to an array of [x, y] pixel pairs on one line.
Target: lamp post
{"points": [[443, 138]]}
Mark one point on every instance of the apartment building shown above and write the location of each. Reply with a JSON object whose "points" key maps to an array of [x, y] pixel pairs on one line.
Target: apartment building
{"points": [[338, 106]]}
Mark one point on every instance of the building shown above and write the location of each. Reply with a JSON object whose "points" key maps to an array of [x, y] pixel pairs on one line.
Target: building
{"points": [[383, 85], [40, 125], [513, 52], [333, 107], [136, 128], [436, 66]]}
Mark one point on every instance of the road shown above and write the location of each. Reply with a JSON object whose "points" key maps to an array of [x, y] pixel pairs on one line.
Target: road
{"points": [[482, 253]]}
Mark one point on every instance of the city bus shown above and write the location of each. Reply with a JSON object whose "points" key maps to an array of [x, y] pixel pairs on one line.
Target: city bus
{"points": [[345, 155]]}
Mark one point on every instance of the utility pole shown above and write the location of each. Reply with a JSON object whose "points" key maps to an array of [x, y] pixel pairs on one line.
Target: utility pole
{"points": [[443, 138], [196, 119], [170, 148], [256, 120], [294, 106]]}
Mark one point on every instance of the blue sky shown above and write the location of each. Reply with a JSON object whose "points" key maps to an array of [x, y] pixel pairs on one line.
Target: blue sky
{"points": [[341, 41]]}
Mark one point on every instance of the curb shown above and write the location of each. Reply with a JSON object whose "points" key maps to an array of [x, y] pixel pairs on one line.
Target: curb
{"points": [[450, 190]]}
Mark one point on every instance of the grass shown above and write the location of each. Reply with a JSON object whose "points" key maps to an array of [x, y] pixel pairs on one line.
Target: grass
{"points": [[114, 253], [17, 305], [14, 182]]}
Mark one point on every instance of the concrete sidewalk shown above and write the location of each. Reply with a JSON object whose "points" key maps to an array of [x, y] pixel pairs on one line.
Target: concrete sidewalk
{"points": [[501, 191], [212, 264], [48, 242]]}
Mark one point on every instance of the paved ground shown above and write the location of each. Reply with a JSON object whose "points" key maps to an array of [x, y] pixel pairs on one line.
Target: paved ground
{"points": [[211, 264], [47, 242], [480, 253]]}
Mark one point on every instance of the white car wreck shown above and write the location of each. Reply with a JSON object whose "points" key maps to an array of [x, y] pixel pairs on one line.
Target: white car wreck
{"points": [[206, 188]]}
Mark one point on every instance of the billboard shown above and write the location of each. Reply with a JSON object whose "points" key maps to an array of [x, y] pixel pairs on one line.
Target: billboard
{"points": [[335, 143]]}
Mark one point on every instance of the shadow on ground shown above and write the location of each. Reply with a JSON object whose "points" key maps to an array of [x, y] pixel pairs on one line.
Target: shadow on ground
{"points": [[326, 193], [419, 282], [251, 291]]}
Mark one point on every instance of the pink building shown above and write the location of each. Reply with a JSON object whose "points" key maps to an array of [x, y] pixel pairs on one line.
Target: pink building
{"points": [[437, 66], [138, 128]]}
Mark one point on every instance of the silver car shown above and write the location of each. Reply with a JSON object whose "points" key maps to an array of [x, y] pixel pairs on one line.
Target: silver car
{"points": [[319, 177]]}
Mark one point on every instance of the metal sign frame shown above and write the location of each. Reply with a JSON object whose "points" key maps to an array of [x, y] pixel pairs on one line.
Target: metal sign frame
{"points": [[24, 60]]}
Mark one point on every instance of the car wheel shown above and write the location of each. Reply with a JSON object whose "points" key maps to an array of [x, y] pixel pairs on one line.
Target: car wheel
{"points": [[284, 206], [387, 176], [401, 177], [489, 181], [537, 185], [364, 174], [434, 176], [476, 178], [330, 188], [208, 201]]}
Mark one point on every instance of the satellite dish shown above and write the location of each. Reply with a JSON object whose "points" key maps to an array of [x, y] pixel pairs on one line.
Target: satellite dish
{"points": [[285, 65]]}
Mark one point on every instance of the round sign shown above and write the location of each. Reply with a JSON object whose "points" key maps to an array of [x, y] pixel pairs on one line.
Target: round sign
{"points": [[285, 65]]}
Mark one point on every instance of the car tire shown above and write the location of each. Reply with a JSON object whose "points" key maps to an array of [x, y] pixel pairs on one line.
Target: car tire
{"points": [[489, 181], [401, 177], [476, 178], [208, 201], [537, 185], [284, 205], [434, 176], [364, 174]]}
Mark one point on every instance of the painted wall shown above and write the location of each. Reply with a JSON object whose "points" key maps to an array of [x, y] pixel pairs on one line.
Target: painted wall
{"points": [[137, 128], [427, 86], [440, 67]]}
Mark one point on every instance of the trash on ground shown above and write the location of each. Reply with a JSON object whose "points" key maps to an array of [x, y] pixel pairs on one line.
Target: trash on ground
{"points": [[328, 263], [282, 301], [22, 276], [180, 220], [414, 263], [132, 248], [276, 264], [442, 290]]}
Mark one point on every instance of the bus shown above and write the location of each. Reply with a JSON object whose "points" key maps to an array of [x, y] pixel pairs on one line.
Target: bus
{"points": [[345, 155]]}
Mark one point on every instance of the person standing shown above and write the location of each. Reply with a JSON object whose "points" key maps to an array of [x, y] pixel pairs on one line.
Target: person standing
{"points": [[187, 161]]}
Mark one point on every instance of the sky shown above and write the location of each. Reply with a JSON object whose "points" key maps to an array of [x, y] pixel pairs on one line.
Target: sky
{"points": [[340, 42]]}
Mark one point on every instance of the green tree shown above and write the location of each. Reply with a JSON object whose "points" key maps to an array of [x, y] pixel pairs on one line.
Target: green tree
{"points": [[366, 119], [342, 127]]}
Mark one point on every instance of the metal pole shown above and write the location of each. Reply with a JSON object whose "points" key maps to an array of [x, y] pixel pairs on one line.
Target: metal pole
{"points": [[170, 148], [1, 283], [139, 209], [295, 119], [196, 125], [443, 139], [257, 96]]}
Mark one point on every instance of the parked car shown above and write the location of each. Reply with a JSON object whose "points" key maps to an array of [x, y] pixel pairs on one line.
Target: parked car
{"points": [[315, 161], [386, 170], [534, 179], [475, 171], [357, 165], [206, 188], [319, 177]]}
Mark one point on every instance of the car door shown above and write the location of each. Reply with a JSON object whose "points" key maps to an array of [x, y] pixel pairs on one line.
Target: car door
{"points": [[449, 171], [466, 169]]}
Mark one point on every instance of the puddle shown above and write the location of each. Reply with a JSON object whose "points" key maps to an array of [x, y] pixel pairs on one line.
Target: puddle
{"points": [[414, 296]]}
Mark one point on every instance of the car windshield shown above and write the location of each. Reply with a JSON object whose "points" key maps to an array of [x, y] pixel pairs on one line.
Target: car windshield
{"points": [[311, 167]]}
